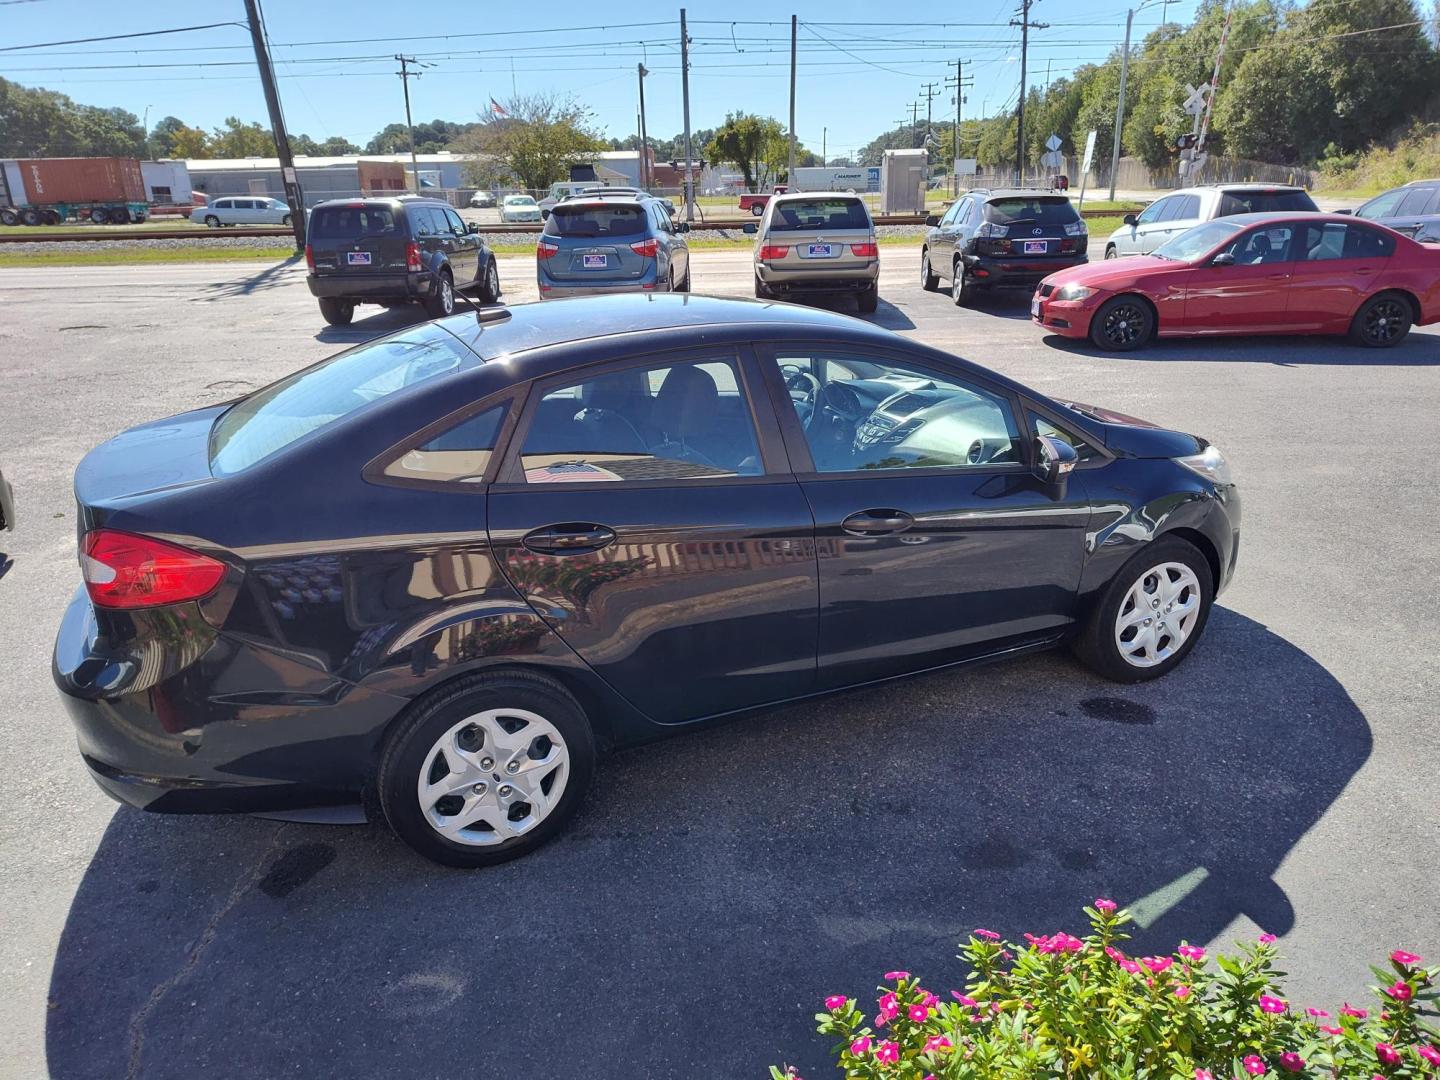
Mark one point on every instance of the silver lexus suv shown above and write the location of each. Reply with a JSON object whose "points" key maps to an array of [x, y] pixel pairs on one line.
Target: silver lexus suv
{"points": [[809, 243], [1172, 214]]}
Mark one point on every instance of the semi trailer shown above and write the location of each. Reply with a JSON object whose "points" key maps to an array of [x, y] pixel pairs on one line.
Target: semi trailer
{"points": [[48, 191]]}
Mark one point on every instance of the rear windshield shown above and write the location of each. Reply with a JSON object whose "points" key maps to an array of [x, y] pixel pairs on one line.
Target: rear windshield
{"points": [[271, 419], [352, 222], [1255, 202], [1042, 210], [795, 214], [596, 219]]}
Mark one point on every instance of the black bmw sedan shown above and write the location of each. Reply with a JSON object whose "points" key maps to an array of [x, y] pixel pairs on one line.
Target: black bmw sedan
{"points": [[438, 572]]}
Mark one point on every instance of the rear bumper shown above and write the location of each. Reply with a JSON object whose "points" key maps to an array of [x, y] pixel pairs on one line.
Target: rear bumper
{"points": [[855, 277], [553, 288], [1001, 273], [410, 286]]}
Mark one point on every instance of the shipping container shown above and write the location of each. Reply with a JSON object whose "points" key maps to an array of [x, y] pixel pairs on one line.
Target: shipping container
{"points": [[81, 180], [167, 183]]}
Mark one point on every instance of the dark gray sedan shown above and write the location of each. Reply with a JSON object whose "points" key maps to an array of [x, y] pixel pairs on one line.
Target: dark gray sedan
{"points": [[1412, 209]]}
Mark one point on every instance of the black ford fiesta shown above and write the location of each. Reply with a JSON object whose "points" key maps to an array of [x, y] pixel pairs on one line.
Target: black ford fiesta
{"points": [[437, 573]]}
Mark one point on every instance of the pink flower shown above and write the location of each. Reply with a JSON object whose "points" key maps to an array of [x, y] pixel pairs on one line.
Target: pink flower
{"points": [[1204, 1074], [860, 1045], [1317, 1012], [1429, 1053], [880, 1020], [1114, 953], [968, 1002], [1401, 991], [1331, 1029], [1130, 965], [1400, 956], [1105, 906], [888, 1052], [1291, 1061], [1253, 1065], [1271, 1004], [888, 1006], [1191, 952], [1157, 964], [931, 1000], [835, 1001], [897, 975], [937, 1042], [988, 935], [1267, 939], [1360, 1014], [1387, 1054], [1182, 991], [918, 1013]]}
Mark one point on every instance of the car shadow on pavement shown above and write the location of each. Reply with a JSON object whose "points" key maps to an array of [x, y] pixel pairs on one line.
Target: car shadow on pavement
{"points": [[271, 277], [715, 886], [1417, 350]]}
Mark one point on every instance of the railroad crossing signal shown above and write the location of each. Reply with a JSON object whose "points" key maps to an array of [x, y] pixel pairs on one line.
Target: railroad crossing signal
{"points": [[1195, 98]]}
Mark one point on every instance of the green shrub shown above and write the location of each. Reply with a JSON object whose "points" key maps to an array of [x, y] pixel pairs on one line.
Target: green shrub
{"points": [[1061, 1006]]}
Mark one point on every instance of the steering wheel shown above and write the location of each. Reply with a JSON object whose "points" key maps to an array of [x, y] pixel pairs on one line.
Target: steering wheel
{"points": [[798, 380]]}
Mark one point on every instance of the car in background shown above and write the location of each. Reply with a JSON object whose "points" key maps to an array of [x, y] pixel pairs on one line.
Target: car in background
{"points": [[815, 245], [592, 244], [1279, 273], [394, 251], [568, 189], [480, 550], [519, 208], [1001, 238], [1170, 215], [482, 200], [1412, 210], [242, 210], [756, 201]]}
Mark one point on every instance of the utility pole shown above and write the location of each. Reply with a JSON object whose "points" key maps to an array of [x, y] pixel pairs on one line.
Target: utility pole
{"points": [[931, 90], [293, 195], [685, 94], [644, 140], [1025, 27], [959, 83], [405, 76], [794, 33], [824, 143], [1120, 104]]}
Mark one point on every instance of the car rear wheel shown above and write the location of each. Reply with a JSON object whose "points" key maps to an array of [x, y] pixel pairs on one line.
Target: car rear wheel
{"points": [[1111, 253], [337, 312], [442, 301], [1381, 322], [1122, 324], [762, 291], [868, 299], [285, 221], [929, 280], [962, 289], [1150, 615], [487, 768], [490, 286], [757, 210], [212, 221]]}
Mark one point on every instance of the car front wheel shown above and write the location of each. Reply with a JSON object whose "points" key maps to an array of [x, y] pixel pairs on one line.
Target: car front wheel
{"points": [[487, 768], [1122, 324], [1150, 615]]}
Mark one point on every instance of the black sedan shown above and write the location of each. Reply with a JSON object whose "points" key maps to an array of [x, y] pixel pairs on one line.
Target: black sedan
{"points": [[436, 573]]}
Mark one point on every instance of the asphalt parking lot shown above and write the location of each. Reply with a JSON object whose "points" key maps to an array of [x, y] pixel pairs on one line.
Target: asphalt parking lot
{"points": [[716, 886]]}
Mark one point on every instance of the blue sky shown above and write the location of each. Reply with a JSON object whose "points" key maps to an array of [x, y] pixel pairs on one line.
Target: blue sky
{"points": [[861, 64]]}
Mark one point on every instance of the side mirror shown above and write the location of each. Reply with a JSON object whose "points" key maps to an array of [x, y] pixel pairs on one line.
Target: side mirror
{"points": [[682, 226], [1347, 210], [1130, 219], [545, 213], [750, 228], [1054, 461], [932, 219], [1225, 258], [473, 227]]}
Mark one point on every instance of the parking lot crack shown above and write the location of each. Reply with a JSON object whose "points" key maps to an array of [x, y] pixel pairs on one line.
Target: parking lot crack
{"points": [[195, 955]]}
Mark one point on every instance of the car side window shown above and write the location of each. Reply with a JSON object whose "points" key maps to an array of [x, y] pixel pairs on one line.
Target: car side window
{"points": [[1260, 247], [892, 416], [675, 421], [1154, 212], [1323, 242], [1187, 208], [461, 454], [953, 214], [454, 222], [1415, 202], [221, 204], [424, 224], [1366, 243]]}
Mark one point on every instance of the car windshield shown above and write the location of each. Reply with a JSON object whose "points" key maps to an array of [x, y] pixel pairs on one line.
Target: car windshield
{"points": [[1042, 210], [519, 200], [1256, 202], [1193, 243], [595, 219], [351, 222], [271, 419], [797, 214]]}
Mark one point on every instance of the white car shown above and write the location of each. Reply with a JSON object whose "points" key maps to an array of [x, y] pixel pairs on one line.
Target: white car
{"points": [[238, 210], [519, 208], [482, 199]]}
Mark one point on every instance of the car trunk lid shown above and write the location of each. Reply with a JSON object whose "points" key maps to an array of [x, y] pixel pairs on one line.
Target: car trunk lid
{"points": [[147, 461]]}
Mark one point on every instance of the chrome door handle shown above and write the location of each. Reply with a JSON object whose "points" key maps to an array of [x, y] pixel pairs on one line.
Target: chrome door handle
{"points": [[571, 538], [877, 522]]}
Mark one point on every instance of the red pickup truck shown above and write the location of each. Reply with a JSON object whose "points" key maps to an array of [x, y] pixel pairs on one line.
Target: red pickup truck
{"points": [[756, 203]]}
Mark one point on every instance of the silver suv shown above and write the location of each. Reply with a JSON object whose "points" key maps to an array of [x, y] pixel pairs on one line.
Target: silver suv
{"points": [[817, 243], [597, 244], [1172, 214]]}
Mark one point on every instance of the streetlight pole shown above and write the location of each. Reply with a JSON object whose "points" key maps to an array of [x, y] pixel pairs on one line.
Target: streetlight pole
{"points": [[644, 155]]}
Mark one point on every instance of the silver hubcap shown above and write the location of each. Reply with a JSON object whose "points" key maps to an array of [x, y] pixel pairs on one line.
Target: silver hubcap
{"points": [[1157, 614], [447, 297], [493, 776]]}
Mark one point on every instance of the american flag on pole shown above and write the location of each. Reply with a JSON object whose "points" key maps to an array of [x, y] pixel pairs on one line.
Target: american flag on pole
{"points": [[497, 109]]}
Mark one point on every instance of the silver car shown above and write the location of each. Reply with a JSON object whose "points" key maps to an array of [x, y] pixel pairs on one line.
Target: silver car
{"points": [[809, 244], [242, 210], [519, 208], [592, 246], [1170, 215]]}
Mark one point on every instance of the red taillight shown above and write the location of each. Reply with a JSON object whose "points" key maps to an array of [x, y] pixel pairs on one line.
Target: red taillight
{"points": [[412, 256], [545, 250], [1067, 245], [648, 248], [309, 256], [124, 571], [773, 251], [865, 251]]}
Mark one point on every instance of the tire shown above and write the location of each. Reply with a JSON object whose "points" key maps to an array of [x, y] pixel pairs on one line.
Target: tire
{"points": [[29, 217], [337, 312], [286, 221], [762, 291], [684, 285], [929, 280], [1122, 324], [441, 302], [99, 216], [9, 217], [868, 299], [1382, 321], [1111, 253], [758, 210], [50, 217], [212, 221], [962, 288], [1099, 646], [490, 283], [445, 736]]}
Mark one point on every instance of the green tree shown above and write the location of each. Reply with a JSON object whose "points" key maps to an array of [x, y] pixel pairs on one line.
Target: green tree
{"points": [[537, 141], [237, 139], [190, 142], [756, 145]]}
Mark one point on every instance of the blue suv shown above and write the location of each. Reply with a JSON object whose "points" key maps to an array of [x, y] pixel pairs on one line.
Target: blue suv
{"points": [[600, 243]]}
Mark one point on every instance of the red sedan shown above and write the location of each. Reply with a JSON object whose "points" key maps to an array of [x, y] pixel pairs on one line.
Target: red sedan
{"points": [[1278, 273]]}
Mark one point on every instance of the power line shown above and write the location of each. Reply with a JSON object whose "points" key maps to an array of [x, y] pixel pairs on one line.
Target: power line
{"points": [[117, 37]]}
